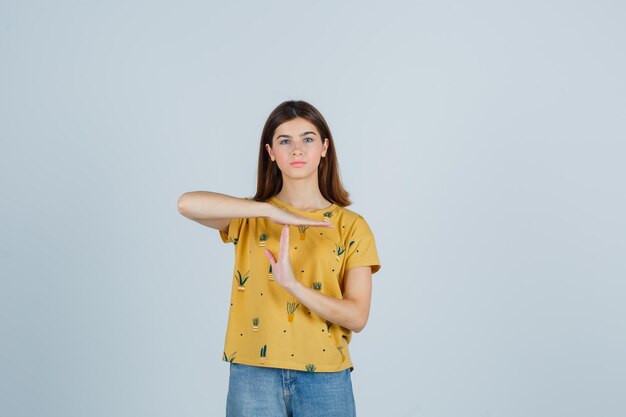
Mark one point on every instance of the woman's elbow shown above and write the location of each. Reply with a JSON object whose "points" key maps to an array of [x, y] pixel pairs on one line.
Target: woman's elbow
{"points": [[180, 204], [360, 326]]}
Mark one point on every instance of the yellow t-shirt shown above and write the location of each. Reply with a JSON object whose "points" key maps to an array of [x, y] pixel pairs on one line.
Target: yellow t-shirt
{"points": [[269, 327]]}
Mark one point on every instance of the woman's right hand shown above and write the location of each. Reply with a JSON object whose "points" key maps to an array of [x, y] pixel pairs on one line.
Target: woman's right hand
{"points": [[281, 216]]}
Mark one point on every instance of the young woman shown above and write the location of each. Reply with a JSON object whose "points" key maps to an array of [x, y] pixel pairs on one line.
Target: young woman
{"points": [[298, 292]]}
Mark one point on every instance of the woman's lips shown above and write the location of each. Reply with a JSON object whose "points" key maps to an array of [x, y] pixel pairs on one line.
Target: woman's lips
{"points": [[297, 164]]}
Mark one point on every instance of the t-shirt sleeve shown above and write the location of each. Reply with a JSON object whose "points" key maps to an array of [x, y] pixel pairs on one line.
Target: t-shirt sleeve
{"points": [[361, 247], [232, 234]]}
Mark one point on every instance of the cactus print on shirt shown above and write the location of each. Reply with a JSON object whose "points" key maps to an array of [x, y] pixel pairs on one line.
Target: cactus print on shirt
{"points": [[269, 327]]}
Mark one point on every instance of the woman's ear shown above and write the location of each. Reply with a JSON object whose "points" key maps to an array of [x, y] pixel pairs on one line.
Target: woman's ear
{"points": [[269, 151], [325, 147]]}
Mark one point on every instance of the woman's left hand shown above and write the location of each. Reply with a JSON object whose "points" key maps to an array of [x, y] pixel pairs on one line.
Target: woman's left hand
{"points": [[282, 270]]}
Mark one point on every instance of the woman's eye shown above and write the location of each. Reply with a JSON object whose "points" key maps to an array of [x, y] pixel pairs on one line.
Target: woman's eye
{"points": [[287, 140]]}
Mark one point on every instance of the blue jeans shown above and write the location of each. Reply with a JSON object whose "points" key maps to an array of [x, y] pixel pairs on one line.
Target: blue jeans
{"points": [[256, 391]]}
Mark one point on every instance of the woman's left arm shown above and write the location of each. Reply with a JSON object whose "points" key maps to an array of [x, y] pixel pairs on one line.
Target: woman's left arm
{"points": [[350, 312]]}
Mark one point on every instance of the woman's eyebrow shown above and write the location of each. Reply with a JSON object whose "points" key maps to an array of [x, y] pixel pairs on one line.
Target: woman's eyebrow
{"points": [[287, 136]]}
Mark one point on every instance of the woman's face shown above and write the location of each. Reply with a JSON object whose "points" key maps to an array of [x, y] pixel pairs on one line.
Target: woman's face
{"points": [[297, 140]]}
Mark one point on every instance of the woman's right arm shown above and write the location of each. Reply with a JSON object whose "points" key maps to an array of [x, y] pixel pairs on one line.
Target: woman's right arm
{"points": [[215, 210]]}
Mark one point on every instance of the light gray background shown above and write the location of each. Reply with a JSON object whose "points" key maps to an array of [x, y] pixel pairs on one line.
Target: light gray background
{"points": [[483, 142]]}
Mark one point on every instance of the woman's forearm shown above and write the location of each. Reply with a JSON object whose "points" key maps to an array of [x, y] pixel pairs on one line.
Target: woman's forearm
{"points": [[342, 312], [208, 205]]}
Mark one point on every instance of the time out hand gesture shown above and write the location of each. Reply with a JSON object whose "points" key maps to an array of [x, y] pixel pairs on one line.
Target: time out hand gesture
{"points": [[281, 268]]}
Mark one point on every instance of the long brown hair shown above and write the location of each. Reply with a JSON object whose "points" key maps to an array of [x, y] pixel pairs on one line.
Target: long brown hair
{"points": [[270, 180]]}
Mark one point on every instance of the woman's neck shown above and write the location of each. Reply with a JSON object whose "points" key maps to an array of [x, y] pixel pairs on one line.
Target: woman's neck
{"points": [[302, 197]]}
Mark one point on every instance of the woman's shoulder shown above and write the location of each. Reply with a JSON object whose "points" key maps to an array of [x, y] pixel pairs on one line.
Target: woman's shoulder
{"points": [[349, 215]]}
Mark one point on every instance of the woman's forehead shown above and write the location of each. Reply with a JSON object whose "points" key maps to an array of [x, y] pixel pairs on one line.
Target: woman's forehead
{"points": [[297, 126]]}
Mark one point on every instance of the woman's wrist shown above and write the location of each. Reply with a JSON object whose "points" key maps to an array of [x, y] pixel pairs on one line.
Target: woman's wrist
{"points": [[263, 209]]}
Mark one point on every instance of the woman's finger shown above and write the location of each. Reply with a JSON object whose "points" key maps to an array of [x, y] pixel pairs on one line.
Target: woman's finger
{"points": [[319, 224], [283, 246], [305, 223], [326, 224], [284, 242], [270, 256]]}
